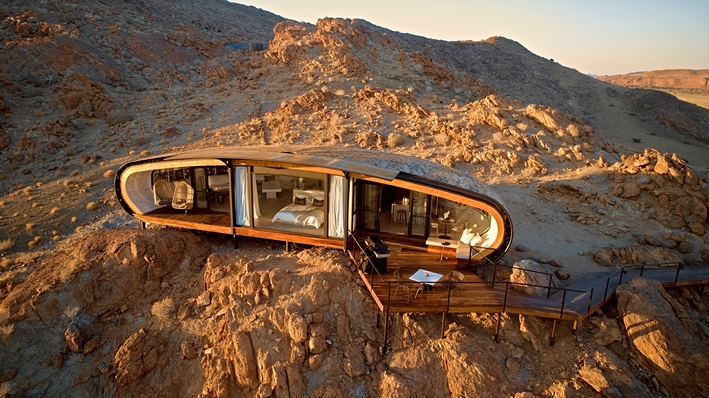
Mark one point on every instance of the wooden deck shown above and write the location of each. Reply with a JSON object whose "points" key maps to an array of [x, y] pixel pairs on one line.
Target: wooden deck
{"points": [[194, 219], [575, 302]]}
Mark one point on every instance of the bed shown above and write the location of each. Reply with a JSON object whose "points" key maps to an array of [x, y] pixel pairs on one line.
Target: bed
{"points": [[306, 210]]}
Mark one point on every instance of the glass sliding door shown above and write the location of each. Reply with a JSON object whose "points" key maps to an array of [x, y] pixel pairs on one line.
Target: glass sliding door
{"points": [[369, 205], [200, 188], [420, 203]]}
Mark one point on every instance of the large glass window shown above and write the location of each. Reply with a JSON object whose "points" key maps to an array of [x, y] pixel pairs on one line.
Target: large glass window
{"points": [[290, 200], [449, 219], [210, 187]]}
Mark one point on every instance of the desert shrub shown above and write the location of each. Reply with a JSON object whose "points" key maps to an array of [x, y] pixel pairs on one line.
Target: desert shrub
{"points": [[92, 206], [6, 244], [109, 174], [163, 309], [29, 92], [145, 153], [6, 389], [118, 116], [53, 211], [394, 140], [76, 316], [34, 242], [26, 258], [6, 330]]}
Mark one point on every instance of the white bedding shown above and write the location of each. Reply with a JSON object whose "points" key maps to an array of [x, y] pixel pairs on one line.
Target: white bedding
{"points": [[301, 215]]}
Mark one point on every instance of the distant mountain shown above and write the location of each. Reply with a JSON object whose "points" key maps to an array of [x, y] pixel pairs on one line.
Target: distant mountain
{"points": [[670, 78]]}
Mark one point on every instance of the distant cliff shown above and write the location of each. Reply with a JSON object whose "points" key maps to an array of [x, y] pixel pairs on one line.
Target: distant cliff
{"points": [[671, 78]]}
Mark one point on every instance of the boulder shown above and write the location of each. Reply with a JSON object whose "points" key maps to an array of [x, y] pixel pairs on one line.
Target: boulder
{"points": [[136, 356], [533, 330], [634, 255], [74, 338], [244, 361], [187, 350], [354, 361], [529, 272], [670, 344], [594, 377], [297, 328], [607, 332]]}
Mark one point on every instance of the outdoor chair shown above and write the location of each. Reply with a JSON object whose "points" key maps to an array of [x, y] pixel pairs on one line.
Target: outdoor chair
{"points": [[454, 280], [162, 193], [400, 283], [183, 198]]}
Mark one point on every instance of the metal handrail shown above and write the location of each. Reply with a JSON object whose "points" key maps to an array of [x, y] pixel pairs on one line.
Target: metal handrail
{"points": [[562, 304], [363, 254]]}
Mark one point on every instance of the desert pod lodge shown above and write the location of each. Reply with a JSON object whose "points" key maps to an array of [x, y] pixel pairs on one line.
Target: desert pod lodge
{"points": [[325, 196]]}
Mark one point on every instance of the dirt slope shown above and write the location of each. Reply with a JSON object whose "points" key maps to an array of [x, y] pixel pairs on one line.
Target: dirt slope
{"points": [[594, 175]]}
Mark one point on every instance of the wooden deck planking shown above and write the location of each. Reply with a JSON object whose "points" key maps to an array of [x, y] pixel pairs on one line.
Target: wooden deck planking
{"points": [[478, 296], [194, 219]]}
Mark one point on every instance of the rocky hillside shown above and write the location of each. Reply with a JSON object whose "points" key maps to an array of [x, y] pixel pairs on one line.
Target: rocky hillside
{"points": [[594, 175]]}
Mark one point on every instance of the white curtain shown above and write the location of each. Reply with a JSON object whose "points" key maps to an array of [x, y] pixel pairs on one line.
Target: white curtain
{"points": [[241, 196], [336, 215], [257, 208]]}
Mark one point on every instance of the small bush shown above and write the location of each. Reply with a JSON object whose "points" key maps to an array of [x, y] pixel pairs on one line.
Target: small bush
{"points": [[145, 153], [25, 258], [53, 211], [164, 309], [394, 140], [6, 244], [117, 116], [6, 389], [92, 206], [77, 317], [109, 174], [6, 330], [34, 242]]}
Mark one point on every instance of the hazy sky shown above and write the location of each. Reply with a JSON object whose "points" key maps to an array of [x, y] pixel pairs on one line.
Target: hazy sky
{"points": [[600, 37]]}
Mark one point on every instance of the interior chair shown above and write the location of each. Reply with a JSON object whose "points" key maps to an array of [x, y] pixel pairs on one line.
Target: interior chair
{"points": [[400, 283], [162, 193], [183, 198], [434, 225], [401, 217]]}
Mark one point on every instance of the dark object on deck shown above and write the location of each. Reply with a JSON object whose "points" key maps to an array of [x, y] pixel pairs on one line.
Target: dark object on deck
{"points": [[377, 253]]}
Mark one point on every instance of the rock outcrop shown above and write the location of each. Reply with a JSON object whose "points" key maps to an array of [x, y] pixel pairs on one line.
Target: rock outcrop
{"points": [[663, 333]]}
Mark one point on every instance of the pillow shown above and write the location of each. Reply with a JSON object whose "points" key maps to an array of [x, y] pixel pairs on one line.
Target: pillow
{"points": [[467, 236], [476, 239], [319, 196], [299, 201], [318, 202]]}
